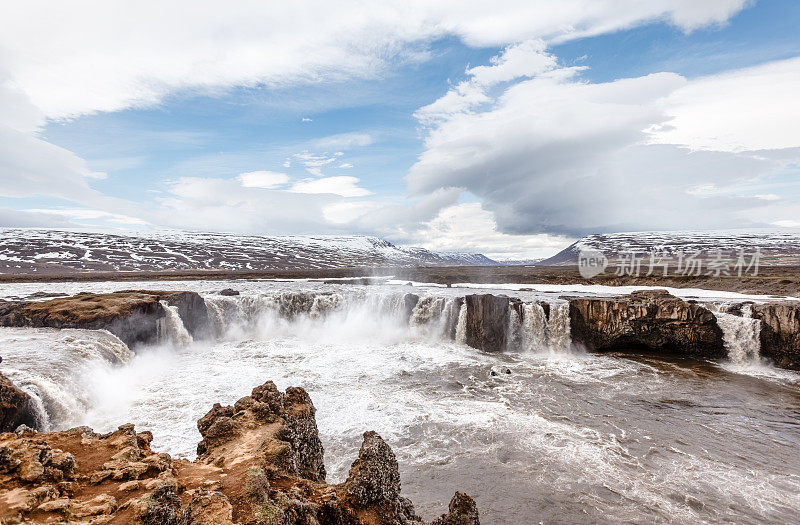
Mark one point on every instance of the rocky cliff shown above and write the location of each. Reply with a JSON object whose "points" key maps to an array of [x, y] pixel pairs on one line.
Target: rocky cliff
{"points": [[133, 316], [487, 321], [15, 406], [780, 332], [652, 319], [260, 462]]}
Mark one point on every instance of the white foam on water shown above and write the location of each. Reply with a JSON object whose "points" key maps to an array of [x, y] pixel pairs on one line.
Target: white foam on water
{"points": [[58, 367], [576, 426]]}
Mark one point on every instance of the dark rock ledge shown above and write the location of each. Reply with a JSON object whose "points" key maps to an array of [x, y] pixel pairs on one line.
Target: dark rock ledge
{"points": [[260, 461], [15, 406], [133, 316]]}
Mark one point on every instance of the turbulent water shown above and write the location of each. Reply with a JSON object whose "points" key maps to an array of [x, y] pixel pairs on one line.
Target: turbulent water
{"points": [[539, 433]]}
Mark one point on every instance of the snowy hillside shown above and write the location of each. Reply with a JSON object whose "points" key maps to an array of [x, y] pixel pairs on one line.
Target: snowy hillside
{"points": [[776, 246], [56, 251]]}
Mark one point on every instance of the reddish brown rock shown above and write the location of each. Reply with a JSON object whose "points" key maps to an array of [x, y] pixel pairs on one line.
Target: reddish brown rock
{"points": [[260, 462]]}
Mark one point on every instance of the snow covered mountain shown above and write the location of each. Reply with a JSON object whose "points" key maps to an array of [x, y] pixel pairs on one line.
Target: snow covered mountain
{"points": [[59, 251], [776, 246]]}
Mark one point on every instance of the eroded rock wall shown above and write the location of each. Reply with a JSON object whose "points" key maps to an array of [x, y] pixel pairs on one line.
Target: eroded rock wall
{"points": [[780, 332], [651, 319]]}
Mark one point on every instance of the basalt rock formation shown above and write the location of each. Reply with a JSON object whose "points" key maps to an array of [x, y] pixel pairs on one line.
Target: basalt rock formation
{"points": [[651, 319], [487, 321], [15, 406], [260, 462], [780, 332], [133, 316]]}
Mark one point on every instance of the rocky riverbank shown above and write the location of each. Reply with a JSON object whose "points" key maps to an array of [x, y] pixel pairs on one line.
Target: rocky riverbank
{"points": [[260, 461]]}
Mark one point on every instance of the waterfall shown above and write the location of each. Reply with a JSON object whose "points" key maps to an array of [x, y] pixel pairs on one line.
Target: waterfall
{"points": [[428, 318], [448, 321], [513, 335], [529, 328], [558, 329], [741, 334], [171, 328], [57, 368], [461, 324], [537, 332], [534, 328]]}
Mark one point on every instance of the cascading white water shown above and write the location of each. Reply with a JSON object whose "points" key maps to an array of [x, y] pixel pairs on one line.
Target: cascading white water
{"points": [[536, 331], [461, 324], [56, 368], [741, 334], [534, 328], [448, 320], [558, 329], [426, 310], [513, 335], [171, 328]]}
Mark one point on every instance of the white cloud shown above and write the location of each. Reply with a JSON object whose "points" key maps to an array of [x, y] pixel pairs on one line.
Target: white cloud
{"points": [[469, 228], [151, 49], [85, 214], [262, 179], [345, 165], [345, 212], [556, 154], [343, 141], [520, 60], [344, 186], [51, 67], [787, 223], [222, 204], [310, 160], [304, 119], [746, 109]]}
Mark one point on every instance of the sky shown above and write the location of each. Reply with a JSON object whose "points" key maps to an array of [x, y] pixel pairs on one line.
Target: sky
{"points": [[509, 128]]}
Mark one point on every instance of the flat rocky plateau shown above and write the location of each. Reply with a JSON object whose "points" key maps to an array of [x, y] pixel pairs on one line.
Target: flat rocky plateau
{"points": [[770, 280]]}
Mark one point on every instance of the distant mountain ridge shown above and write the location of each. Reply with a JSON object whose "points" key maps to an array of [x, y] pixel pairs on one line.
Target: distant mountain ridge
{"points": [[778, 247], [65, 251]]}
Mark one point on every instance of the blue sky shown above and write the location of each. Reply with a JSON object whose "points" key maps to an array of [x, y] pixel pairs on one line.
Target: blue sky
{"points": [[380, 126]]}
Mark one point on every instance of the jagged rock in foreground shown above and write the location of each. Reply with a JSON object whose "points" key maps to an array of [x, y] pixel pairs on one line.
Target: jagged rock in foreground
{"points": [[15, 406], [780, 332], [651, 319], [260, 462], [133, 316]]}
